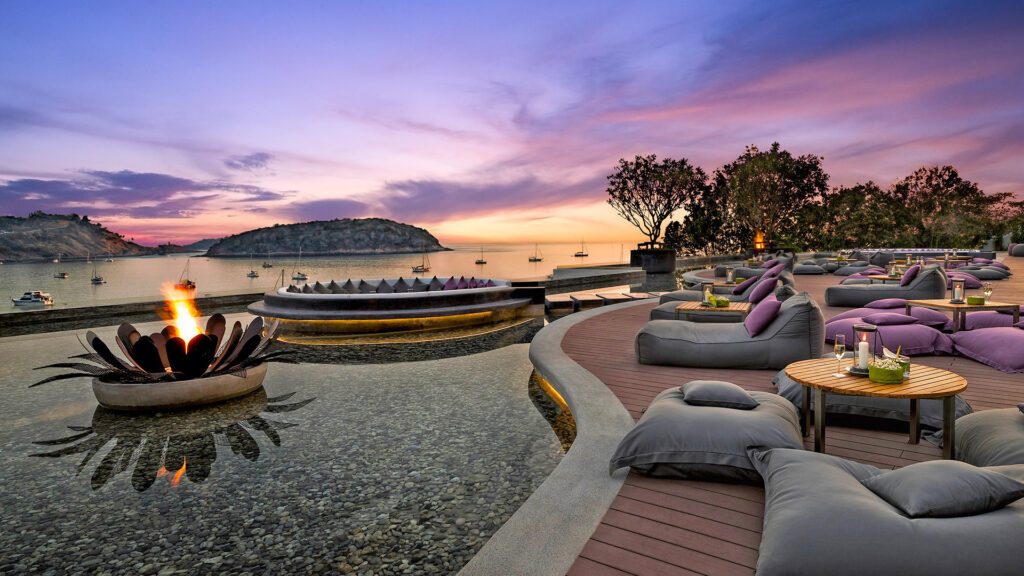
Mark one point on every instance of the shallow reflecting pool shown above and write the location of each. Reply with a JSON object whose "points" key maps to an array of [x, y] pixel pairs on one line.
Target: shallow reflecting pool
{"points": [[368, 468]]}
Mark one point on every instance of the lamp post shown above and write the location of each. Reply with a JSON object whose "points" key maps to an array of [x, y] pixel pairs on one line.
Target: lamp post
{"points": [[759, 241]]}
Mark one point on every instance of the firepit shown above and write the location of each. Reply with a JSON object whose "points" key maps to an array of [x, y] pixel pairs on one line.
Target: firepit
{"points": [[178, 366]]}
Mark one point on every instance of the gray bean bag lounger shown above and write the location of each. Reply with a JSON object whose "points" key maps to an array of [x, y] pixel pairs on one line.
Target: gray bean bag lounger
{"points": [[991, 437], [677, 439], [929, 283], [984, 273], [821, 519], [695, 295], [796, 333], [808, 268]]}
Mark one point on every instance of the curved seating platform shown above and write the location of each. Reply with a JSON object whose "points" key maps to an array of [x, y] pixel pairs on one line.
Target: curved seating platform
{"points": [[390, 305]]}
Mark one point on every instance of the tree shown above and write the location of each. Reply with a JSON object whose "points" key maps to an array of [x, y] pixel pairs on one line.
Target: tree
{"points": [[706, 228], [646, 192], [771, 191], [942, 209]]}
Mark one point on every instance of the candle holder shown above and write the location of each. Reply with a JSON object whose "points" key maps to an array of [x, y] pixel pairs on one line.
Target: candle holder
{"points": [[866, 342], [706, 289], [730, 275], [957, 288]]}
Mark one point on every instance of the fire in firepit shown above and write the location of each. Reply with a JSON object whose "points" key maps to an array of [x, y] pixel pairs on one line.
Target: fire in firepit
{"points": [[178, 366]]}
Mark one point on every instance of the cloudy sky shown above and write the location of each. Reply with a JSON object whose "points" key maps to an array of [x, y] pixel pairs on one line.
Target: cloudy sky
{"points": [[495, 121]]}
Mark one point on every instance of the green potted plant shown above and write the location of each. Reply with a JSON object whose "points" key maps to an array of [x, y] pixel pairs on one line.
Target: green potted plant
{"points": [[886, 371]]}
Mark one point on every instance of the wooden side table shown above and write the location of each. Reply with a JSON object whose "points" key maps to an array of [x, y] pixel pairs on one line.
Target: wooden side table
{"points": [[960, 310], [883, 278], [741, 308], [924, 382]]}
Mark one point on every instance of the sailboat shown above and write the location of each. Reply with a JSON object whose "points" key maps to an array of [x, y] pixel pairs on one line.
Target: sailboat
{"points": [[481, 260], [58, 273], [582, 253], [184, 282], [301, 276], [266, 263], [252, 271], [424, 265], [96, 278], [537, 256]]}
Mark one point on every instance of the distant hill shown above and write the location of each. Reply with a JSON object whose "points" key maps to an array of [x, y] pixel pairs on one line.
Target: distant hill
{"points": [[329, 238], [42, 236], [201, 245]]}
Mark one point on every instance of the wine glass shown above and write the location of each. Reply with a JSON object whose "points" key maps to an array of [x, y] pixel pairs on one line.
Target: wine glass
{"points": [[839, 348], [987, 291]]}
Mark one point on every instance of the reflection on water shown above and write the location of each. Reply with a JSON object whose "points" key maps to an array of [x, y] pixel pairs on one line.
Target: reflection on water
{"points": [[175, 444], [559, 418]]}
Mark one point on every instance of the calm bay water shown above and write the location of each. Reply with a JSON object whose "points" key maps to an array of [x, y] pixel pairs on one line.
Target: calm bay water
{"points": [[140, 279]]}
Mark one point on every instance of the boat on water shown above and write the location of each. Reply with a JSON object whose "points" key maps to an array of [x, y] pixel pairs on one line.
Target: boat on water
{"points": [[110, 257], [298, 275], [58, 273], [184, 282], [537, 256], [582, 252], [34, 298], [96, 278], [481, 259], [266, 263], [424, 265], [252, 271]]}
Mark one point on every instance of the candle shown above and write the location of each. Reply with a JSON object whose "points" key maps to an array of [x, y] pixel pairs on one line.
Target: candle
{"points": [[862, 355], [957, 293]]}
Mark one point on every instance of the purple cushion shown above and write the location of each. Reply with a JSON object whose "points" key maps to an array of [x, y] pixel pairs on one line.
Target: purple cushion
{"points": [[451, 284], [932, 318], [762, 315], [887, 304], [490, 284], [742, 286], [999, 264], [971, 281], [770, 263], [763, 288], [981, 260], [855, 313], [1000, 348], [889, 319], [910, 274], [463, 283], [988, 319], [911, 339]]}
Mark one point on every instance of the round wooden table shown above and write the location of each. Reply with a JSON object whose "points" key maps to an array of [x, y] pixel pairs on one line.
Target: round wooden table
{"points": [[924, 382]]}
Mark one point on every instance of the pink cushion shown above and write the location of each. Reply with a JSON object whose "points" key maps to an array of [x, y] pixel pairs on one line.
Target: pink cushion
{"points": [[889, 319], [910, 274], [763, 288], [761, 316], [742, 286], [1000, 348]]}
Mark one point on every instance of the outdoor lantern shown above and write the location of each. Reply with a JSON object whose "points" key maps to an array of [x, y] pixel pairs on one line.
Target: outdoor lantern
{"points": [[706, 288], [865, 335], [759, 241], [730, 275], [958, 289], [892, 269]]}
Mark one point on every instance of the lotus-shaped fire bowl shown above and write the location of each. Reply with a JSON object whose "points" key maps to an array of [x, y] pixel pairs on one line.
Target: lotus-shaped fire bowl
{"points": [[162, 371]]}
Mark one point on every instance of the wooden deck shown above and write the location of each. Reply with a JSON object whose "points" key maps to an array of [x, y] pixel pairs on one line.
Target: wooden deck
{"points": [[665, 527]]}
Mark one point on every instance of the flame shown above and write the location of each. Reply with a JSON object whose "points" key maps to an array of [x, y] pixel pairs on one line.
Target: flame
{"points": [[176, 479], [183, 311]]}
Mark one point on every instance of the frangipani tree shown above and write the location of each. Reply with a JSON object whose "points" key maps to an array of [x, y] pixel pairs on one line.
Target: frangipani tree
{"points": [[647, 192]]}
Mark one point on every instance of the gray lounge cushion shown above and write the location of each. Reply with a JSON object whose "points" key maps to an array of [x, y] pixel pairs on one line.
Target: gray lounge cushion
{"points": [[808, 268], [991, 437], [945, 489], [797, 333], [897, 409], [679, 440], [984, 273], [821, 520], [717, 393], [929, 283]]}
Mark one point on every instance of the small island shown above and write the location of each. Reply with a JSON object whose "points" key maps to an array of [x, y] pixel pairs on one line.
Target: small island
{"points": [[41, 237], [349, 236]]}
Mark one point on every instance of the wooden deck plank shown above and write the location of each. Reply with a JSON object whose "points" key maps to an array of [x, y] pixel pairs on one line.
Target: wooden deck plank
{"points": [[664, 526]]}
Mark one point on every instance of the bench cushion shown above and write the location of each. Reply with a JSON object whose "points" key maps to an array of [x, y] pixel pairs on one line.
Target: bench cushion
{"points": [[991, 437]]}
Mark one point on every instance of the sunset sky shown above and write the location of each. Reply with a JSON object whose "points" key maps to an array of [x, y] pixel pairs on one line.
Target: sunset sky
{"points": [[492, 121]]}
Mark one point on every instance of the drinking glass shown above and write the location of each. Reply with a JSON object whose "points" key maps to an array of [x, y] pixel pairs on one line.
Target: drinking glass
{"points": [[839, 348], [988, 291]]}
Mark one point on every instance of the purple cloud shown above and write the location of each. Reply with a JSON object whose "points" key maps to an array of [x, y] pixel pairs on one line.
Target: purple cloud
{"points": [[328, 209], [127, 193], [249, 162]]}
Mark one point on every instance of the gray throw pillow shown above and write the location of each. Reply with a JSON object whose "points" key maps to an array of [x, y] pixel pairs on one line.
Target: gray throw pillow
{"points": [[718, 394], [945, 489], [784, 292]]}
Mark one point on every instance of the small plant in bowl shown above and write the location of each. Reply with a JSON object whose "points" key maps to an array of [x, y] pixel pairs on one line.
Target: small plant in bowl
{"points": [[721, 302], [975, 300], [886, 371]]}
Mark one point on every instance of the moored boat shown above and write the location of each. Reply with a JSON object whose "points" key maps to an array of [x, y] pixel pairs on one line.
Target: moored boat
{"points": [[34, 298]]}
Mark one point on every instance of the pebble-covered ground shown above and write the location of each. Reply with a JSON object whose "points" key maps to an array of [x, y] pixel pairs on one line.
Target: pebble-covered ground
{"points": [[403, 468]]}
